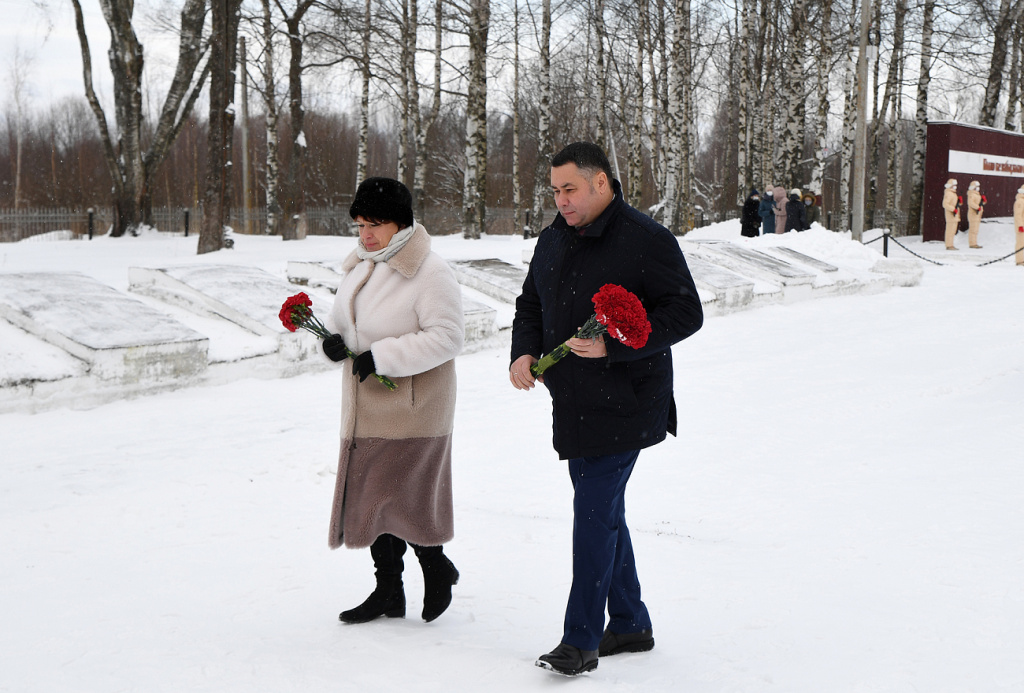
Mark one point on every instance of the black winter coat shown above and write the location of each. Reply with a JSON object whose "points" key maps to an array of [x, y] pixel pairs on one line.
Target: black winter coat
{"points": [[623, 402], [750, 221], [796, 215]]}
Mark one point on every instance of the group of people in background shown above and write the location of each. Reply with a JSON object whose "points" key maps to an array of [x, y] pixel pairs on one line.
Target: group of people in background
{"points": [[775, 212]]}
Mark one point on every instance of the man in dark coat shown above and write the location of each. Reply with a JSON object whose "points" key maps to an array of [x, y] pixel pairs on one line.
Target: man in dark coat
{"points": [[796, 217], [749, 219], [609, 400]]}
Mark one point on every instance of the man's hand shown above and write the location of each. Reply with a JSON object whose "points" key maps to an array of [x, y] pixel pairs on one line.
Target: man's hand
{"points": [[588, 348], [519, 374]]}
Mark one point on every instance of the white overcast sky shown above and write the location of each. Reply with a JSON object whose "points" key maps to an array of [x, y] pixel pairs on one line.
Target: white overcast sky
{"points": [[46, 36]]}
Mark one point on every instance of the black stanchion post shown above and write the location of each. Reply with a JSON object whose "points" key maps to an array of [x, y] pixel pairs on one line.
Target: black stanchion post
{"points": [[186, 223], [885, 244], [526, 227], [90, 223]]}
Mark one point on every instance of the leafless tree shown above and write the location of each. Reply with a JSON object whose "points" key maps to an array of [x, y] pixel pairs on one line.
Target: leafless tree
{"points": [[130, 163]]}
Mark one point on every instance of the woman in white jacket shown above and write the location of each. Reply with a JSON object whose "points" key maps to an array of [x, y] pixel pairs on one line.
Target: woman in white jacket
{"points": [[399, 310]]}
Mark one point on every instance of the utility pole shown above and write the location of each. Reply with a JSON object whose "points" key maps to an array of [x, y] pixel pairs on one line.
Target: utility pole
{"points": [[860, 137], [242, 61]]}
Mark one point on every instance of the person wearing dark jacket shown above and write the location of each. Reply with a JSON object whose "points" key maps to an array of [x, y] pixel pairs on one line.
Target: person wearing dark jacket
{"points": [[749, 219], [766, 210], [609, 401], [796, 215]]}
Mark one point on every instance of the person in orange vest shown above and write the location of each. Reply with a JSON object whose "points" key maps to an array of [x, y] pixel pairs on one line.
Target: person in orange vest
{"points": [[951, 203], [975, 208], [1018, 224]]}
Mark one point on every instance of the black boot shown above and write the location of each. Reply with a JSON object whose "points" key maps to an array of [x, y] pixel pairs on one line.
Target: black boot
{"points": [[388, 598], [439, 575]]}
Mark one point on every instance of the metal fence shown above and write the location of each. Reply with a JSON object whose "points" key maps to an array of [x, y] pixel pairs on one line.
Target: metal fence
{"points": [[66, 224], [20, 224]]}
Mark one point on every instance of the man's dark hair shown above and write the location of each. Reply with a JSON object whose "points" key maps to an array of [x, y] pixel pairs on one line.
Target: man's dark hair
{"points": [[588, 157]]}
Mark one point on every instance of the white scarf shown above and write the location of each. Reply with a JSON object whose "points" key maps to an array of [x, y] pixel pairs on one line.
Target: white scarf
{"points": [[397, 242]]}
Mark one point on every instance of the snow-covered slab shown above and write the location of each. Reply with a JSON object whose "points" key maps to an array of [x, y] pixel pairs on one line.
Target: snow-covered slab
{"points": [[245, 295], [479, 320], [326, 275], [495, 278], [748, 261], [805, 259], [731, 291], [119, 337], [25, 358]]}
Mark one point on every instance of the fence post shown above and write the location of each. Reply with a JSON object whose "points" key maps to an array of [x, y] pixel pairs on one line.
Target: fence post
{"points": [[186, 222], [90, 222], [885, 244]]}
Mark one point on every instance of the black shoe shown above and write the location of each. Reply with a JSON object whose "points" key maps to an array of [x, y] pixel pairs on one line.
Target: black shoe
{"points": [[614, 643], [387, 600], [568, 660], [439, 576]]}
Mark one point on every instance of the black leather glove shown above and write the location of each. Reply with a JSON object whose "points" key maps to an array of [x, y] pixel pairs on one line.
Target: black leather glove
{"points": [[363, 365], [334, 348]]}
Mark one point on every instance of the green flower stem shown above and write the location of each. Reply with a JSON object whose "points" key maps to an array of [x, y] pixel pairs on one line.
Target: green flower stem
{"points": [[591, 330], [311, 323]]}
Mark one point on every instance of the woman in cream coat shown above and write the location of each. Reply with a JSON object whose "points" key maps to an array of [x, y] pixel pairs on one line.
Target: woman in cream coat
{"points": [[399, 310]]}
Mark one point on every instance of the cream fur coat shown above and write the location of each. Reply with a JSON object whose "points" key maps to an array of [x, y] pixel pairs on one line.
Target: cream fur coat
{"points": [[394, 468]]}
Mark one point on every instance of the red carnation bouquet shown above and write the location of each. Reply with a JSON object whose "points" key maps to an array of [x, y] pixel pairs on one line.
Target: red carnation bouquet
{"points": [[618, 313], [297, 312]]}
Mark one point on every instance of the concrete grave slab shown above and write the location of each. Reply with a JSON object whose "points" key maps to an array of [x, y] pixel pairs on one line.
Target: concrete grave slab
{"points": [[807, 260], [120, 337], [491, 277], [247, 296], [749, 262], [731, 291]]}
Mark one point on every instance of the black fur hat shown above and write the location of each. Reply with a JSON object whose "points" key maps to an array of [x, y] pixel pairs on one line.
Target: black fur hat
{"points": [[383, 199]]}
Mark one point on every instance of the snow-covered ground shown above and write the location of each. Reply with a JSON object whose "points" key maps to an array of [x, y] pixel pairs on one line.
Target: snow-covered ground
{"points": [[842, 511]]}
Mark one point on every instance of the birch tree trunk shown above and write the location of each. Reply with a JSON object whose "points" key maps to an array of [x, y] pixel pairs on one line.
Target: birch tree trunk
{"points": [[677, 153], [271, 117], [541, 184], [293, 206], [130, 166], [424, 124], [921, 119], [216, 203], [793, 133], [635, 167], [602, 77], [1009, 13], [409, 93], [739, 98], [849, 125], [1013, 97], [517, 201], [824, 61], [362, 155], [891, 93], [474, 192]]}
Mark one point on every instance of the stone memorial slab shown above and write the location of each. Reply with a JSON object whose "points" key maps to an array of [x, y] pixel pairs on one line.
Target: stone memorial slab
{"points": [[120, 337], [754, 263], [247, 296], [491, 277], [731, 290], [805, 259]]}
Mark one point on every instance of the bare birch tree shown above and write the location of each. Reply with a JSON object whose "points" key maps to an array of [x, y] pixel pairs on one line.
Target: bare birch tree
{"points": [[129, 162], [1002, 37], [474, 193], [921, 119], [823, 58], [423, 122], [216, 201], [545, 151], [273, 182]]}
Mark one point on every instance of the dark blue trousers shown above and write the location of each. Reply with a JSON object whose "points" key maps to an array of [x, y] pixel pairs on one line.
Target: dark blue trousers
{"points": [[603, 568]]}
